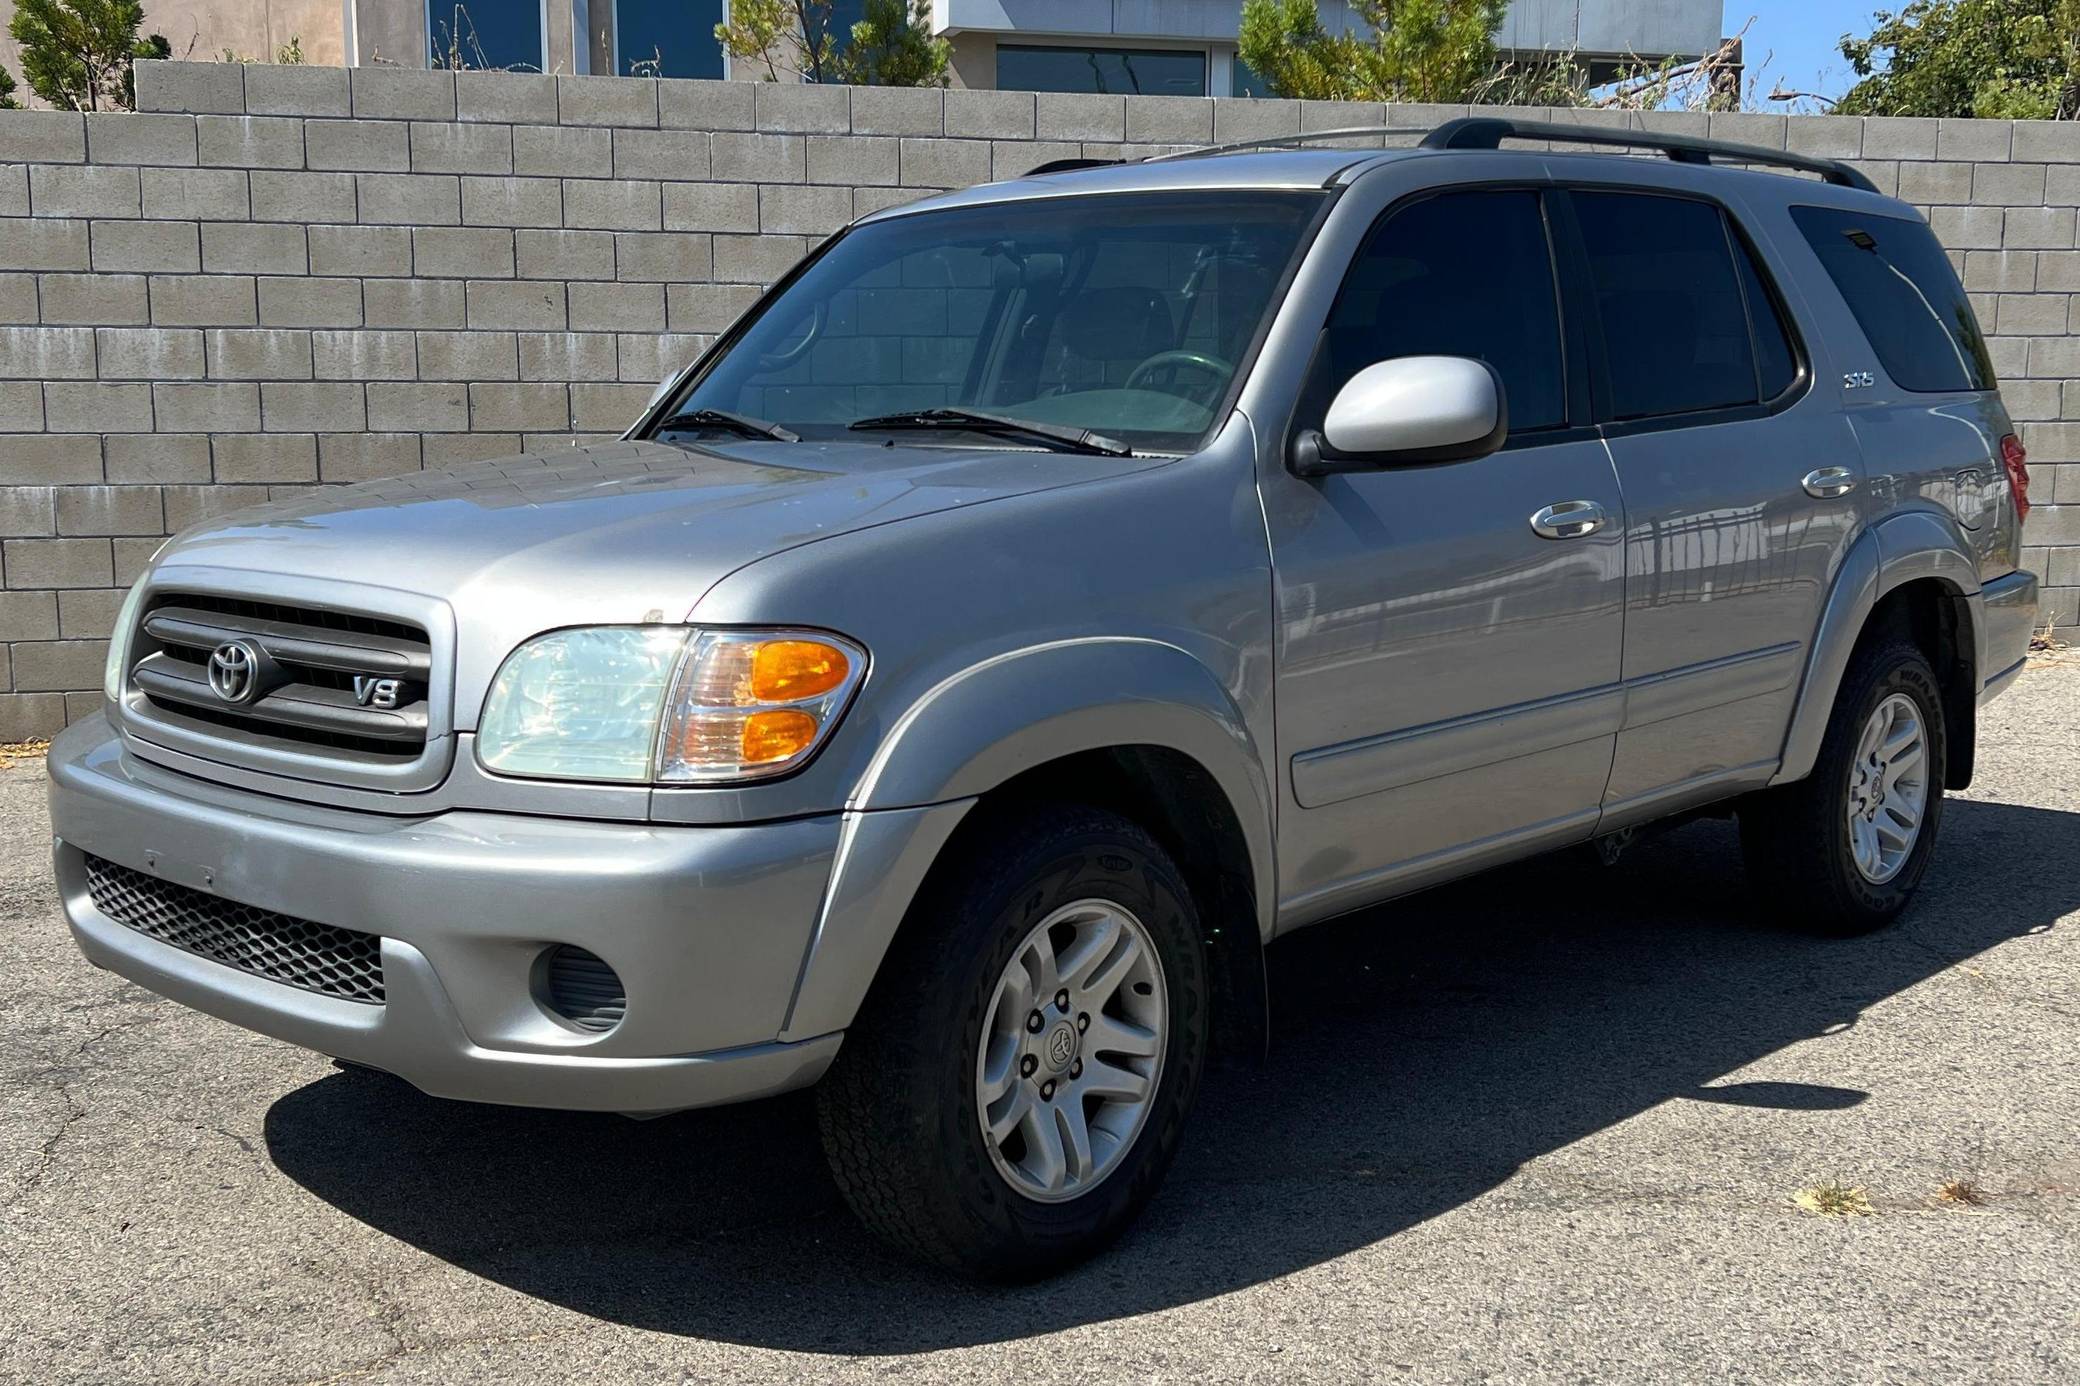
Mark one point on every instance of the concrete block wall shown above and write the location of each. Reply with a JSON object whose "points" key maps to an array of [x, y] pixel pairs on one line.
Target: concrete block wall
{"points": [[272, 278]]}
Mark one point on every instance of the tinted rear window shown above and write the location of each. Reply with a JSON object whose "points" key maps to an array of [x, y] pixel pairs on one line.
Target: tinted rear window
{"points": [[1776, 363], [1905, 295], [1675, 323]]}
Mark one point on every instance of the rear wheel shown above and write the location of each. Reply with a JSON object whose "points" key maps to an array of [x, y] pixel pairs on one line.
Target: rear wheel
{"points": [[1015, 1084], [1842, 850]]}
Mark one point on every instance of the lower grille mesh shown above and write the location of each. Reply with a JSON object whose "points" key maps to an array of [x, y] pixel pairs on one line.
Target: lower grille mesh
{"points": [[298, 952]]}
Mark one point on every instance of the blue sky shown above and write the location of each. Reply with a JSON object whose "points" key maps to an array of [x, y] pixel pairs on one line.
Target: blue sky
{"points": [[1795, 41]]}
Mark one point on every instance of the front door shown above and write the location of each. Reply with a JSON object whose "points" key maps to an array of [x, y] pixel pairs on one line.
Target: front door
{"points": [[1448, 676]]}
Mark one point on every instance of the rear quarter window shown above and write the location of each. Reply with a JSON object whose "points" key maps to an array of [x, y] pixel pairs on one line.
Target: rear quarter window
{"points": [[1899, 284]]}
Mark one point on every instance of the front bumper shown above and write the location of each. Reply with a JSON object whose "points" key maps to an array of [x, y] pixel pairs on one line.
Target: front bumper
{"points": [[708, 928]]}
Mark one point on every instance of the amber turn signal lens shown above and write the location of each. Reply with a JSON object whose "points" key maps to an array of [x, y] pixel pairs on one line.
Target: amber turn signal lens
{"points": [[785, 671], [771, 736]]}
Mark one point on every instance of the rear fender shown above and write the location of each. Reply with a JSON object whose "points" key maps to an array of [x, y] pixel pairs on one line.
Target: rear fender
{"points": [[1901, 549]]}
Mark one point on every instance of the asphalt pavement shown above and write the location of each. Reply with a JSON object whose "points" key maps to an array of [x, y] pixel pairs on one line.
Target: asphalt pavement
{"points": [[1549, 1125]]}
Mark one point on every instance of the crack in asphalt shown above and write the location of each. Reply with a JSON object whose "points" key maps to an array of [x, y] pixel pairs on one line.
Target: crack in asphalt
{"points": [[391, 1319], [76, 1110], [365, 1370], [389, 1315]]}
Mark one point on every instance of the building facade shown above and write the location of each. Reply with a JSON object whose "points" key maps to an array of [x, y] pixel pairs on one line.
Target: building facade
{"points": [[1187, 47], [1150, 47]]}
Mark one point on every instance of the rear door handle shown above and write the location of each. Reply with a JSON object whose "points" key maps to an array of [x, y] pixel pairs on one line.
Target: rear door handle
{"points": [[1574, 519], [1825, 483]]}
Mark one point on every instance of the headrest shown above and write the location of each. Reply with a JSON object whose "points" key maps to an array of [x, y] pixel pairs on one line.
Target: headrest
{"points": [[1121, 323]]}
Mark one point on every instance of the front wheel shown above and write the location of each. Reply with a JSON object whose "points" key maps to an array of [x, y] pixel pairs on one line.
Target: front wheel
{"points": [[1014, 1086], [1842, 850]]}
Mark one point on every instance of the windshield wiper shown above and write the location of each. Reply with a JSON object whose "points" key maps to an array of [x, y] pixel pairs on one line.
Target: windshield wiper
{"points": [[742, 424], [1059, 437]]}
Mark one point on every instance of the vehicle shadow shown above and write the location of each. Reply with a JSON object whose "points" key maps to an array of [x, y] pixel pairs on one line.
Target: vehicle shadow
{"points": [[1422, 1052]]}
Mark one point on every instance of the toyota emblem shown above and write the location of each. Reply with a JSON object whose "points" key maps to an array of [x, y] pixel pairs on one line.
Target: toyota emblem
{"points": [[234, 671]]}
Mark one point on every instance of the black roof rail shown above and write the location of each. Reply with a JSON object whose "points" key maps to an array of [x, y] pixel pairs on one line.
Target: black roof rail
{"points": [[1069, 165], [1281, 142], [1488, 132]]}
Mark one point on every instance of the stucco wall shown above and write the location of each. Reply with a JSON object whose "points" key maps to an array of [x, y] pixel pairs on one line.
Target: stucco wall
{"points": [[203, 29], [280, 277]]}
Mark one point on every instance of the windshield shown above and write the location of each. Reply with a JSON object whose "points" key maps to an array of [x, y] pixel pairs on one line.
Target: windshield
{"points": [[1126, 315]]}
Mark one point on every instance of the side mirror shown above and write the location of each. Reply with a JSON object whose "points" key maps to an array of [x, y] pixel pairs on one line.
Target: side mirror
{"points": [[666, 385], [1410, 410], [657, 397]]}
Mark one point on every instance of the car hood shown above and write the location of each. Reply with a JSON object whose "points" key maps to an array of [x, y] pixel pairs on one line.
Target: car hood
{"points": [[615, 533]]}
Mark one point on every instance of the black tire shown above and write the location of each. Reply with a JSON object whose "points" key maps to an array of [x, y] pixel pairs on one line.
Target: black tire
{"points": [[1796, 837], [898, 1110]]}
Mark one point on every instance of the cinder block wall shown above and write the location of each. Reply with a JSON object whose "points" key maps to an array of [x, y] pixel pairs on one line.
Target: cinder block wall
{"points": [[277, 277]]}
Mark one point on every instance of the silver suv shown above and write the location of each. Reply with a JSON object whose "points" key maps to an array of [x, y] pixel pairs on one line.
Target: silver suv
{"points": [[1046, 596]]}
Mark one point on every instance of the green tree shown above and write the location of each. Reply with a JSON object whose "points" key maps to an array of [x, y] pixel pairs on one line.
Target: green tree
{"points": [[7, 101], [76, 54], [892, 46], [1418, 50], [766, 32], [1999, 59]]}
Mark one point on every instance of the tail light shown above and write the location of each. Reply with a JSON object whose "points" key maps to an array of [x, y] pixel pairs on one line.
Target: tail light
{"points": [[2015, 461]]}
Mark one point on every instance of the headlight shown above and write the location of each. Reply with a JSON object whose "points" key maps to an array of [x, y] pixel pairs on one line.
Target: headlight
{"points": [[666, 703], [119, 642]]}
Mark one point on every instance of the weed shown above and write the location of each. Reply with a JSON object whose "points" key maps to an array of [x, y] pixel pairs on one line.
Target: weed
{"points": [[1960, 1193], [21, 750], [1834, 1199]]}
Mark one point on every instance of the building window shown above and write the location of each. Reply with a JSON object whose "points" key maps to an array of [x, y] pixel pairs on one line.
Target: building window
{"points": [[485, 34], [1244, 81], [667, 38], [1120, 71], [843, 15]]}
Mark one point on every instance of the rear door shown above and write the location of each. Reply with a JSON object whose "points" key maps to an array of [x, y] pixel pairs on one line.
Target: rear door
{"points": [[1447, 676], [1740, 485]]}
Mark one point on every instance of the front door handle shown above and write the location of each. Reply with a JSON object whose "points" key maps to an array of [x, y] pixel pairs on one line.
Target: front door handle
{"points": [[1828, 482], [1569, 519]]}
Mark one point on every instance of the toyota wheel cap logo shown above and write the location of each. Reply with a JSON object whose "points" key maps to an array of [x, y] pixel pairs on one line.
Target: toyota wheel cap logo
{"points": [[234, 671]]}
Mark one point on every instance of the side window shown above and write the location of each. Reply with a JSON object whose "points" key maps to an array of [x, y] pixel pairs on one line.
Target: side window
{"points": [[1675, 322], [1462, 274], [1905, 296], [1776, 364]]}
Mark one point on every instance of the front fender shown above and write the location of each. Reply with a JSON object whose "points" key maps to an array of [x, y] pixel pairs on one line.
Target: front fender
{"points": [[984, 726], [1901, 549], [1025, 707]]}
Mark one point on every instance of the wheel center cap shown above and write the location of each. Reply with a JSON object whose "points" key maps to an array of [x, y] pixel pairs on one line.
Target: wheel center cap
{"points": [[1059, 1048]]}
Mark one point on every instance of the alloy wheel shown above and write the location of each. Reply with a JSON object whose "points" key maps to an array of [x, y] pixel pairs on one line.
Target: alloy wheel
{"points": [[1072, 1050], [1888, 789]]}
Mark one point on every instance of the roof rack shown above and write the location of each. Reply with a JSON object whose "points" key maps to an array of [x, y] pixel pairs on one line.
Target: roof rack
{"points": [[1488, 132], [1281, 141]]}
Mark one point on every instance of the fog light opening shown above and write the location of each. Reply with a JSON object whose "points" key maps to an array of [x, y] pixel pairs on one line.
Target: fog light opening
{"points": [[578, 988]]}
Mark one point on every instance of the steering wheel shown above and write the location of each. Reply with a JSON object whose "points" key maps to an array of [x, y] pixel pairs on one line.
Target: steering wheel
{"points": [[1216, 370]]}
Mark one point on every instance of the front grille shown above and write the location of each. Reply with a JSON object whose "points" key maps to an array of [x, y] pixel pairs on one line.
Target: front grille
{"points": [[301, 953], [314, 678]]}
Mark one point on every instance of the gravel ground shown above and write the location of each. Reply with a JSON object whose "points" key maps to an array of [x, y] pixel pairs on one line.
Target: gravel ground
{"points": [[1544, 1126]]}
